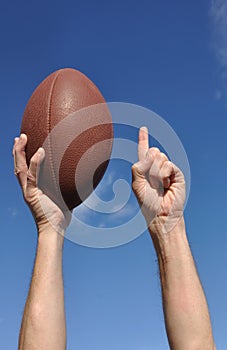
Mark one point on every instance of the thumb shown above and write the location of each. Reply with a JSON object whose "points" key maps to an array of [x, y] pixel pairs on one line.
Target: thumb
{"points": [[33, 171]]}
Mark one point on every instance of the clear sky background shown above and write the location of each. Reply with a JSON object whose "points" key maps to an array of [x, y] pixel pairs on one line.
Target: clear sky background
{"points": [[168, 56]]}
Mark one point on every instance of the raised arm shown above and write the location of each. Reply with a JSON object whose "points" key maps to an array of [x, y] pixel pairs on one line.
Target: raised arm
{"points": [[160, 190], [43, 324]]}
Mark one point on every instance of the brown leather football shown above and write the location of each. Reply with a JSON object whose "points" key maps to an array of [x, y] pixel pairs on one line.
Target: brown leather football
{"points": [[68, 116]]}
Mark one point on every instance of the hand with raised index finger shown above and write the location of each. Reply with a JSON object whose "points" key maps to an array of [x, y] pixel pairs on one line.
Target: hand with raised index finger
{"points": [[158, 185]]}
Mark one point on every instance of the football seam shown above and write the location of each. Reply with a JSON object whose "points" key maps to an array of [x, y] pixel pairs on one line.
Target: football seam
{"points": [[52, 168]]}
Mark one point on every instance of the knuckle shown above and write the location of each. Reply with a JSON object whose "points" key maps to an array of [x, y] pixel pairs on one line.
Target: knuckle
{"points": [[155, 149], [133, 167], [164, 156], [31, 177], [137, 169], [18, 170], [168, 165], [134, 171], [153, 152], [134, 186]]}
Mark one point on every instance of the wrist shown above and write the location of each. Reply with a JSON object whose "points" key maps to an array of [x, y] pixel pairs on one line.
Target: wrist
{"points": [[48, 236], [172, 244], [49, 226]]}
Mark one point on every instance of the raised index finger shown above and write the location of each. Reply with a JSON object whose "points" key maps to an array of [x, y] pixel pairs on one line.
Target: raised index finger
{"points": [[143, 144]]}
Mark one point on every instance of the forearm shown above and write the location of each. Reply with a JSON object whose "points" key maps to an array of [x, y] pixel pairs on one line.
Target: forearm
{"points": [[185, 308], [43, 325]]}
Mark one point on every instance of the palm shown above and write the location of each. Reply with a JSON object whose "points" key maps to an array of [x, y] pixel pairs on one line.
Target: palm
{"points": [[45, 210]]}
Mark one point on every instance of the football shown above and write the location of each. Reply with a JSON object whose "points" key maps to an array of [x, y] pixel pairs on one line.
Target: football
{"points": [[68, 116]]}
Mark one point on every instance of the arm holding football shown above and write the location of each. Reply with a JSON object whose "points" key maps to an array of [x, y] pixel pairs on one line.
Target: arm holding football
{"points": [[43, 324]]}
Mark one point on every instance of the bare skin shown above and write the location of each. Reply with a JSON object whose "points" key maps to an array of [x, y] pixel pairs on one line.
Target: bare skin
{"points": [[43, 325], [160, 189]]}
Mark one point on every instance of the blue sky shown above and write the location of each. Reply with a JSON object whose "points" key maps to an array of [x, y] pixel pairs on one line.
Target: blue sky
{"points": [[170, 57]]}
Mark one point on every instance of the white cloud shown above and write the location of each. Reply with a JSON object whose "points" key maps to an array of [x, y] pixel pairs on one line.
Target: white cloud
{"points": [[218, 13]]}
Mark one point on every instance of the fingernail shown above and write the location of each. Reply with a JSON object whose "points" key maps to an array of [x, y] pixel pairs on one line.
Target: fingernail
{"points": [[144, 128]]}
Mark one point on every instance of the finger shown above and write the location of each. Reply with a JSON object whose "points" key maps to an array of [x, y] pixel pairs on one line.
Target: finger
{"points": [[33, 171], [177, 176], [20, 165], [15, 142], [141, 168], [155, 177], [143, 143], [166, 173]]}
